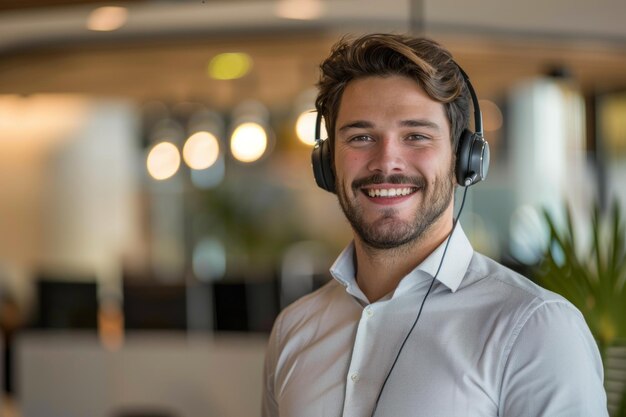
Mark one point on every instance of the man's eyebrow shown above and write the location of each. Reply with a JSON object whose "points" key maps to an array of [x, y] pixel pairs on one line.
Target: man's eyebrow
{"points": [[357, 124], [364, 124], [420, 123]]}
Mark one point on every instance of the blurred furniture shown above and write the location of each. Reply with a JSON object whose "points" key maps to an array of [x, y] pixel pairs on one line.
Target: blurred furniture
{"points": [[143, 412], [71, 374], [155, 307], [67, 304]]}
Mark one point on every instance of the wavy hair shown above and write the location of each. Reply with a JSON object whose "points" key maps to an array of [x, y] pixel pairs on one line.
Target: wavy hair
{"points": [[423, 60]]}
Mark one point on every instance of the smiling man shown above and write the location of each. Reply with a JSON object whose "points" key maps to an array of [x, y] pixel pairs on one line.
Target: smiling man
{"points": [[415, 323]]}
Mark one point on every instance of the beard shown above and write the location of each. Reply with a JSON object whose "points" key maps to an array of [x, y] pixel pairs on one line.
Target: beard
{"points": [[388, 231]]}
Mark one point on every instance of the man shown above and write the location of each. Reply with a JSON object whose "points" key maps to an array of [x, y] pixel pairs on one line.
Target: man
{"points": [[415, 323]]}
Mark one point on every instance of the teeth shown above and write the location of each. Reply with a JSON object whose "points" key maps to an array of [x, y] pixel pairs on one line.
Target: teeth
{"points": [[389, 192]]}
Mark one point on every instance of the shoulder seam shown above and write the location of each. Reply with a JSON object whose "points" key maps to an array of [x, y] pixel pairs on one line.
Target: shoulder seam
{"points": [[519, 326], [534, 295]]}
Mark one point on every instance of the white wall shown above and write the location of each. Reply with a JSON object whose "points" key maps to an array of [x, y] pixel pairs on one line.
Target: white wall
{"points": [[69, 186], [89, 213]]}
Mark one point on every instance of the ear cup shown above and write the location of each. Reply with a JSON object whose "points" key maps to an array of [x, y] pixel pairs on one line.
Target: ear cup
{"points": [[323, 166], [472, 159], [463, 149]]}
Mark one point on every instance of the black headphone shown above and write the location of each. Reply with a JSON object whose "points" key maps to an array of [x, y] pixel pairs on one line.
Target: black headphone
{"points": [[472, 151]]}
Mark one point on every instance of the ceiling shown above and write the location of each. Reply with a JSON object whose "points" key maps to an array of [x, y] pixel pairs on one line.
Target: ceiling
{"points": [[12, 5], [150, 60]]}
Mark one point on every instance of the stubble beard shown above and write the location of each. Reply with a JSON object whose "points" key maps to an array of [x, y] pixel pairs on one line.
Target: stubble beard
{"points": [[388, 231]]}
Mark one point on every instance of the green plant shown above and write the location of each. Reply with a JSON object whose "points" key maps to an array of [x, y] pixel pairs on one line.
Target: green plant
{"points": [[593, 278], [621, 411]]}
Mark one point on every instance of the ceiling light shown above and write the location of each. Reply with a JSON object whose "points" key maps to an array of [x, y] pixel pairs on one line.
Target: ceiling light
{"points": [[248, 142], [108, 18], [229, 66], [299, 9], [201, 150], [305, 127], [163, 161]]}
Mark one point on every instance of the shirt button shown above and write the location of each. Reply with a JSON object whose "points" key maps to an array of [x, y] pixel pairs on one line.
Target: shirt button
{"points": [[355, 377], [368, 311]]}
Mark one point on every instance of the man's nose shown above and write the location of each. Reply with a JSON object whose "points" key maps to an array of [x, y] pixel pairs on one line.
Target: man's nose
{"points": [[387, 157]]}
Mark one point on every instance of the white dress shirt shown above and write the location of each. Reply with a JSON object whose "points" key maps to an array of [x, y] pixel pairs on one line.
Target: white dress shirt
{"points": [[489, 342]]}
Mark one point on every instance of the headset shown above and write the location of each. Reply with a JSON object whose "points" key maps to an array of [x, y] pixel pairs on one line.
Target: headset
{"points": [[472, 151]]}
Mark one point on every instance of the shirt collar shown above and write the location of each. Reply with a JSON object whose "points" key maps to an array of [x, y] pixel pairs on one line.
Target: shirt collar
{"points": [[457, 260], [455, 264], [343, 271]]}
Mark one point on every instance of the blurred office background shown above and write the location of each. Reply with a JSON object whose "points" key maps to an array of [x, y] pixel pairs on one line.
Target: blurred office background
{"points": [[157, 208]]}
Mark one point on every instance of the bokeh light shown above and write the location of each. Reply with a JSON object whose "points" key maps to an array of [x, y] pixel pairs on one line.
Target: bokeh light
{"points": [[305, 127], [209, 259], [201, 150], [299, 9], [163, 161], [229, 66], [106, 19], [248, 142]]}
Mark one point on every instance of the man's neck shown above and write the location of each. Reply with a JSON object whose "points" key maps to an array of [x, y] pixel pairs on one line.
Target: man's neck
{"points": [[379, 271]]}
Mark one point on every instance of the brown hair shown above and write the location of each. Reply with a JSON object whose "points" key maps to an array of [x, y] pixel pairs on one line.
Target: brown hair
{"points": [[420, 59]]}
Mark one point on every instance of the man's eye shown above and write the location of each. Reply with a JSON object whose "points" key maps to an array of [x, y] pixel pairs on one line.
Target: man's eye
{"points": [[361, 138], [416, 138]]}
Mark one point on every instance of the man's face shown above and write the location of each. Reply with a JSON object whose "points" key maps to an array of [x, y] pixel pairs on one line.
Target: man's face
{"points": [[393, 160]]}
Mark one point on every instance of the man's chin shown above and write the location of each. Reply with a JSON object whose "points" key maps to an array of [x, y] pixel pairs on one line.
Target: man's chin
{"points": [[389, 221], [387, 242], [386, 233]]}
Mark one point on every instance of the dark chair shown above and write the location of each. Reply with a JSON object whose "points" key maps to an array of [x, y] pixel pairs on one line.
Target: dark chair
{"points": [[144, 411]]}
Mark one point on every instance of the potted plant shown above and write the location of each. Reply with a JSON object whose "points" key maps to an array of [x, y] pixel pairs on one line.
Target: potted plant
{"points": [[593, 278]]}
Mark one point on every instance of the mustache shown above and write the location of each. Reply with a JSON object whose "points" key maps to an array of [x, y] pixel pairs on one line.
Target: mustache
{"points": [[419, 182]]}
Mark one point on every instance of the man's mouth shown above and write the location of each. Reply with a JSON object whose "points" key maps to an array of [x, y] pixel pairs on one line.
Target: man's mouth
{"points": [[389, 192], [389, 189]]}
